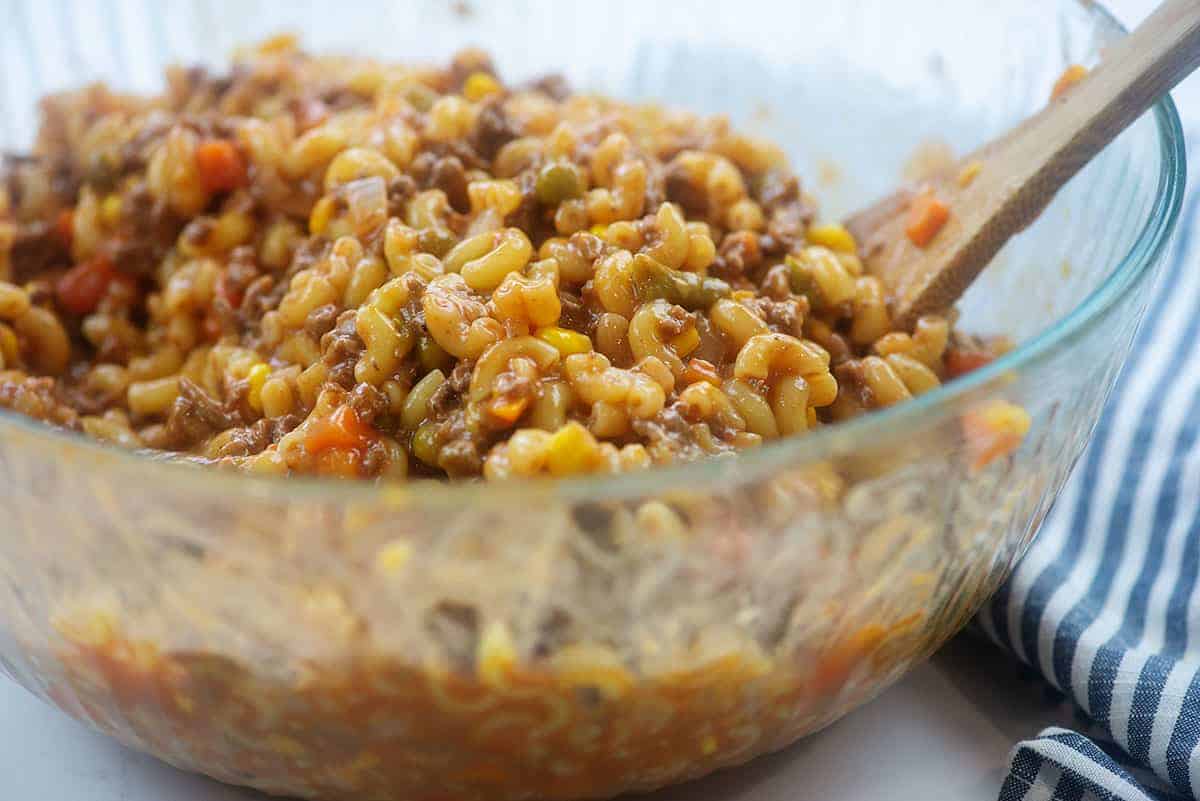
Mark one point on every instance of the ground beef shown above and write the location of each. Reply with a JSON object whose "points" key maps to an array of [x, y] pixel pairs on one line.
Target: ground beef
{"points": [[493, 130], [196, 415], [368, 402], [38, 398], [738, 254], [321, 321], [448, 175], [554, 86], [446, 396], [35, 248], [341, 347]]}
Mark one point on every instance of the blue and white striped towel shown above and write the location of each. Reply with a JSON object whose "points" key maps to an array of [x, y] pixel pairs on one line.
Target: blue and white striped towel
{"points": [[1106, 604]]}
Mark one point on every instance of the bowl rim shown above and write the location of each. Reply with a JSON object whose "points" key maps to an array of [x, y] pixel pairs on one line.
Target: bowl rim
{"points": [[740, 469]]}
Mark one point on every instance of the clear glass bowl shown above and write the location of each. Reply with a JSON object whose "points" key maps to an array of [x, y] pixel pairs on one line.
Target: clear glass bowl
{"points": [[589, 637]]}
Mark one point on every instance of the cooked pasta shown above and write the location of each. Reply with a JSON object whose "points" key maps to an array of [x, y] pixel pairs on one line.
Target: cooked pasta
{"points": [[339, 266]]}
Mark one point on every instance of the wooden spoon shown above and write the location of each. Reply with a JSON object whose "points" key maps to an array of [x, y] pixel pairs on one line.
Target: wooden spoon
{"points": [[1001, 188]]}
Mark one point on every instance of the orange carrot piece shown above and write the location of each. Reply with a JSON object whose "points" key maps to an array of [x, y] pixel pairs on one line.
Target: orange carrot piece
{"points": [[993, 430], [960, 362], [80, 289], [834, 667], [701, 370], [1071, 76], [343, 430], [926, 216], [507, 412], [221, 166]]}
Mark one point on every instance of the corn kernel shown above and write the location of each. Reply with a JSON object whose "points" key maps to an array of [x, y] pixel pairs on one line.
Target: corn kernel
{"points": [[564, 340], [256, 377], [685, 343], [833, 236], [480, 85], [496, 656], [321, 214], [571, 450], [393, 557], [599, 229], [1006, 417], [110, 210]]}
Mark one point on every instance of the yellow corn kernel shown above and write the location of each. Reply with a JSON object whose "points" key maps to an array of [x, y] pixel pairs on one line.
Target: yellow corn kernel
{"points": [[321, 214], [256, 377], [480, 85], [1006, 417], [599, 229], [391, 559], [685, 343], [110, 210], [571, 450], [564, 340], [496, 655], [969, 173], [833, 236]]}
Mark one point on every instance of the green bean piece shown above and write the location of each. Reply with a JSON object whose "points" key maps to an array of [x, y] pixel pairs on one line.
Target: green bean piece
{"points": [[802, 282], [431, 355], [692, 291], [437, 241]]}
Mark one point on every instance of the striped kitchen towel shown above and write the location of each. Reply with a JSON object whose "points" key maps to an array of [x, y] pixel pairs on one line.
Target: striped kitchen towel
{"points": [[1106, 604]]}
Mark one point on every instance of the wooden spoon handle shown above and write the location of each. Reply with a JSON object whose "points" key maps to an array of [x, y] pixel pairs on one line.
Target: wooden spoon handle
{"points": [[1132, 75], [1019, 173]]}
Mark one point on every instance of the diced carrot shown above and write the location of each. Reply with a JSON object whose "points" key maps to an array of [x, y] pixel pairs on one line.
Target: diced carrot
{"points": [[701, 370], [960, 362], [343, 430], [64, 227], [835, 665], [80, 289], [926, 216], [1071, 76], [221, 166], [507, 411], [993, 430]]}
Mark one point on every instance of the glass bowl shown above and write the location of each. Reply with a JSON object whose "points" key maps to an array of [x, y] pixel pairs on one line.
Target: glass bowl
{"points": [[588, 637]]}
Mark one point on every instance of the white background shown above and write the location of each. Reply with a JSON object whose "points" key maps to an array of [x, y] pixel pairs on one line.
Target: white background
{"points": [[943, 734]]}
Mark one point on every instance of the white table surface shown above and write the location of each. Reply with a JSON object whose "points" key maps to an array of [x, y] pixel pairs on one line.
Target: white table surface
{"points": [[942, 734]]}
